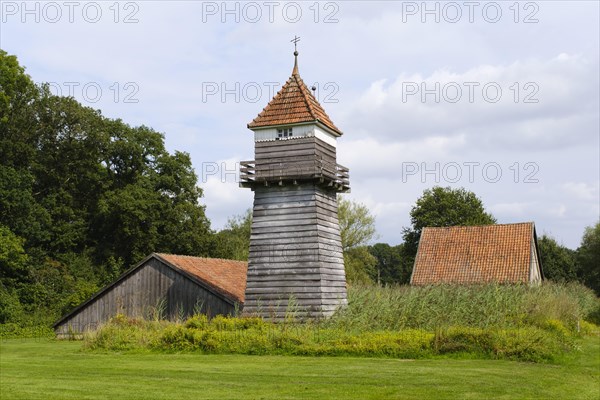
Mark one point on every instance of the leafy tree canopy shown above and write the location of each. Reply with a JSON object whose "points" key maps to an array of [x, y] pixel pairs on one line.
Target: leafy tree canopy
{"points": [[588, 257], [357, 224], [392, 266], [359, 265], [233, 242], [558, 262], [84, 196], [357, 229]]}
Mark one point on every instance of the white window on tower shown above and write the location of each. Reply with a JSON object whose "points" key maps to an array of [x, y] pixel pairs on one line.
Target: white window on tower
{"points": [[283, 133]]}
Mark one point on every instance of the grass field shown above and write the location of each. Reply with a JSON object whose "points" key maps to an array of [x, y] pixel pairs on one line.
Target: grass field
{"points": [[47, 369]]}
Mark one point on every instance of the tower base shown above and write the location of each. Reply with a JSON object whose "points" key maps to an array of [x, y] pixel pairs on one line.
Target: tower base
{"points": [[295, 265]]}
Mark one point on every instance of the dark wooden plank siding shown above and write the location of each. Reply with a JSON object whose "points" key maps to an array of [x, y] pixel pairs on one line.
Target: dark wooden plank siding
{"points": [[295, 253], [152, 289], [285, 159]]}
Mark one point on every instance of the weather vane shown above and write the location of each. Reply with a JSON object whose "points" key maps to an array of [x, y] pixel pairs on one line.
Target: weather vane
{"points": [[295, 40]]}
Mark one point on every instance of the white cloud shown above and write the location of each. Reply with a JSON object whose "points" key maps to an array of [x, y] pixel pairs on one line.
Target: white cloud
{"points": [[372, 57], [581, 190], [224, 200], [558, 210], [532, 103]]}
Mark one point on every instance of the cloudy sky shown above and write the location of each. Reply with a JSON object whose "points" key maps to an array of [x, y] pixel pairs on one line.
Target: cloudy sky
{"points": [[501, 98]]}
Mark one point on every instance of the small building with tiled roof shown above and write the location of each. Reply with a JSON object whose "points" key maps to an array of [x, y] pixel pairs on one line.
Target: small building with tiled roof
{"points": [[165, 285], [505, 253]]}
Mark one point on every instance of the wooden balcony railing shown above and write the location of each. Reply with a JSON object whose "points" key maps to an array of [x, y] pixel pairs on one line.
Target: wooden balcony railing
{"points": [[279, 170]]}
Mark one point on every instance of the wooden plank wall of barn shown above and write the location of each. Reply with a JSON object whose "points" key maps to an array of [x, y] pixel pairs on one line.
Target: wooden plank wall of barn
{"points": [[141, 293]]}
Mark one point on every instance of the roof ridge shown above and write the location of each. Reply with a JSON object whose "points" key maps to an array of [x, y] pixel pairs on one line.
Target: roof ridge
{"points": [[479, 226], [204, 258], [303, 90]]}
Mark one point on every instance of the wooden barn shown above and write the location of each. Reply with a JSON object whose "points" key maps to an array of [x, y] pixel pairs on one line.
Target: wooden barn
{"points": [[478, 254], [175, 286], [295, 245]]}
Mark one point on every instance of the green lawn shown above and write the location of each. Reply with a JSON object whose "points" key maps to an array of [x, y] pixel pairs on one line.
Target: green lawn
{"points": [[45, 369]]}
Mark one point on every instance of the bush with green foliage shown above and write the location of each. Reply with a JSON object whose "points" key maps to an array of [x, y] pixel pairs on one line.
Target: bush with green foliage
{"points": [[357, 229], [491, 321], [588, 257], [394, 266], [232, 335], [558, 262], [233, 241], [17, 331]]}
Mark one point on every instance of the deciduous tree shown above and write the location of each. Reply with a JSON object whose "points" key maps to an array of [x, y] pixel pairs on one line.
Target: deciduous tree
{"points": [[558, 262], [359, 265], [88, 196], [233, 242], [357, 229], [588, 257], [357, 224], [391, 267]]}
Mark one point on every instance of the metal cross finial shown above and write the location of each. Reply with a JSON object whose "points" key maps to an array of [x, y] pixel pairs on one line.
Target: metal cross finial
{"points": [[295, 40]]}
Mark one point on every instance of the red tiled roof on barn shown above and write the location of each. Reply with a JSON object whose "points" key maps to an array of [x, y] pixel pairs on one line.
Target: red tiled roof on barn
{"points": [[293, 104], [477, 254], [225, 276]]}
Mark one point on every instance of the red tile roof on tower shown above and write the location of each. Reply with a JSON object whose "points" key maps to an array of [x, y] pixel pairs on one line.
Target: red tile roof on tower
{"points": [[293, 104], [475, 254], [227, 277]]}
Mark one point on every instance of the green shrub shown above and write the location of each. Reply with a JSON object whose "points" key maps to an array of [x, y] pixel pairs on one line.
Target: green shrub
{"points": [[523, 344], [556, 326], [122, 333], [403, 344], [175, 337], [15, 331], [223, 323], [463, 339], [588, 328], [11, 309], [594, 315], [490, 321], [198, 321], [527, 344], [251, 323]]}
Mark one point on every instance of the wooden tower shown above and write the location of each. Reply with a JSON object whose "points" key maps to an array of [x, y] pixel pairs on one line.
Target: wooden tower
{"points": [[295, 264]]}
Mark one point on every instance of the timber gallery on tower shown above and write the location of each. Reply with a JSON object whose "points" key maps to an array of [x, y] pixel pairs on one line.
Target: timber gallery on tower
{"points": [[295, 262]]}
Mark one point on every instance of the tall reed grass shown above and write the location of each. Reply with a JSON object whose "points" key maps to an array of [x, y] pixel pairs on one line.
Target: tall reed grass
{"points": [[480, 306]]}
